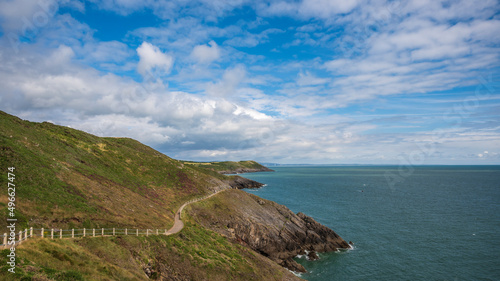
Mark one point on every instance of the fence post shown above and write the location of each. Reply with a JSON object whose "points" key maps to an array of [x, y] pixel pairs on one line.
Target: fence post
{"points": [[102, 233], [125, 231], [113, 231], [147, 232], [20, 236], [5, 239], [42, 232], [51, 233], [93, 232], [137, 232], [83, 232], [31, 231], [60, 233], [72, 233]]}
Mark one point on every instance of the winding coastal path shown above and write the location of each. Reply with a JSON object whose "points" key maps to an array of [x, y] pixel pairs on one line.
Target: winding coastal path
{"points": [[177, 227], [178, 224]]}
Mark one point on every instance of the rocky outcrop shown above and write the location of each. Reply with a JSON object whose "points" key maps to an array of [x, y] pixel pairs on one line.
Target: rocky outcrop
{"points": [[267, 227], [238, 182]]}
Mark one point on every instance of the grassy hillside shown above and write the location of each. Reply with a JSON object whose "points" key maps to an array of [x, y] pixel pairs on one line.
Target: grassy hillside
{"points": [[230, 166], [194, 254], [68, 178]]}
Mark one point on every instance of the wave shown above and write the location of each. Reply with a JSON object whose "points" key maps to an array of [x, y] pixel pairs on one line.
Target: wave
{"points": [[298, 274]]}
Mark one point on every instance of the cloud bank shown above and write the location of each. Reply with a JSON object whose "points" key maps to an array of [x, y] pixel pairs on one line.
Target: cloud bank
{"points": [[277, 81]]}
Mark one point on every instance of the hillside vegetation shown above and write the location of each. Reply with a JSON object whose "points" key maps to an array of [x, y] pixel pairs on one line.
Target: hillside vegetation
{"points": [[67, 178], [194, 254], [231, 167]]}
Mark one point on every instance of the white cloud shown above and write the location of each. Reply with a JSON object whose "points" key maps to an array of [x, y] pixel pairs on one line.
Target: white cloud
{"points": [[305, 79], [247, 39], [326, 8], [206, 54], [224, 109], [108, 51], [22, 17], [227, 86], [151, 58]]}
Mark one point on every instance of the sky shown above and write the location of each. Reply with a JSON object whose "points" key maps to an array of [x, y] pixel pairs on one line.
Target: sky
{"points": [[407, 82]]}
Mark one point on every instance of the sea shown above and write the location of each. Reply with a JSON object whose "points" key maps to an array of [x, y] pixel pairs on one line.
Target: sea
{"points": [[406, 223]]}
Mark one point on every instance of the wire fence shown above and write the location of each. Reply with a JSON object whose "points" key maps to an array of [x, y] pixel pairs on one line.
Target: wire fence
{"points": [[13, 238], [55, 233]]}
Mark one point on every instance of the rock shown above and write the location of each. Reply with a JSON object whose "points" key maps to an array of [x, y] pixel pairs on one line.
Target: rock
{"points": [[270, 229], [238, 182], [293, 265], [147, 270], [312, 256]]}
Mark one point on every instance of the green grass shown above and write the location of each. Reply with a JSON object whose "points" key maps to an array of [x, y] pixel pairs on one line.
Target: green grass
{"points": [[226, 166], [66, 177], [195, 254]]}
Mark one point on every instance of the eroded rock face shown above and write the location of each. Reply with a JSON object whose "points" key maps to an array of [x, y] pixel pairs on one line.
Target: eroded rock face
{"points": [[267, 227], [238, 182]]}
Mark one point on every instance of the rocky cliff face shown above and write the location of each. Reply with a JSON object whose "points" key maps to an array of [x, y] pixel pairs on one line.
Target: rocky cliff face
{"points": [[238, 182], [266, 227]]}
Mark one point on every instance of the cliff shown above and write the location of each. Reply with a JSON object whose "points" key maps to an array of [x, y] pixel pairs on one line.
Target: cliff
{"points": [[70, 179], [66, 179], [266, 227], [238, 182], [230, 167]]}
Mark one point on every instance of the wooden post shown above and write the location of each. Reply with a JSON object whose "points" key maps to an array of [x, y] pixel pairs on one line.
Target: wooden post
{"points": [[60, 233], [42, 232], [31, 231], [84, 232], [157, 231], [147, 232], [5, 239], [125, 231], [113, 231], [137, 232], [25, 234], [93, 232], [72, 233], [102, 233], [20, 236], [51, 233]]}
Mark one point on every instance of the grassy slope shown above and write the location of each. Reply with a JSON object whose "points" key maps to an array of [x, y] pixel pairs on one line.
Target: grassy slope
{"points": [[68, 178], [227, 165], [193, 254]]}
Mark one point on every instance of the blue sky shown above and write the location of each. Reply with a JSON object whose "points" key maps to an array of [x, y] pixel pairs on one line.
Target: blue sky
{"points": [[310, 81]]}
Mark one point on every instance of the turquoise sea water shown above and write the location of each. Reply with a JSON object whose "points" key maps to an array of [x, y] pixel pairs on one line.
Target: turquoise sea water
{"points": [[439, 223]]}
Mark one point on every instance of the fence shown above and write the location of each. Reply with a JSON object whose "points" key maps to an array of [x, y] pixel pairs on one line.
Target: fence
{"points": [[54, 233]]}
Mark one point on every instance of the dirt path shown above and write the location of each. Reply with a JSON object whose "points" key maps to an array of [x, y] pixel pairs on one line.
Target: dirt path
{"points": [[178, 224]]}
